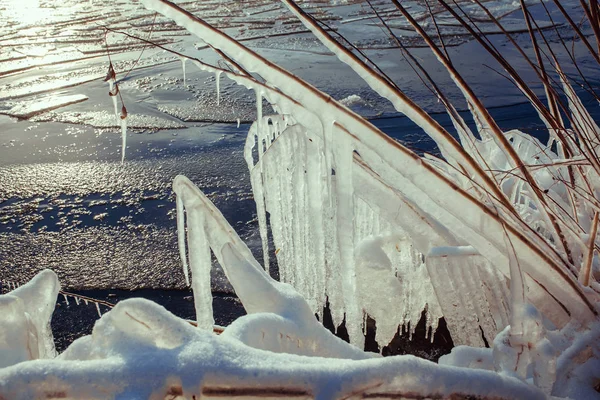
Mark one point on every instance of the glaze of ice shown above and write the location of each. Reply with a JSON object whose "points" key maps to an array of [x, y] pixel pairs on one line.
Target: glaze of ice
{"points": [[26, 311], [406, 194], [259, 293], [181, 238], [123, 122], [111, 86], [298, 151], [417, 183], [183, 60], [218, 83]]}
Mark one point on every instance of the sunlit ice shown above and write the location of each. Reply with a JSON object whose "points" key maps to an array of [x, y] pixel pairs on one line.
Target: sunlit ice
{"points": [[24, 12]]}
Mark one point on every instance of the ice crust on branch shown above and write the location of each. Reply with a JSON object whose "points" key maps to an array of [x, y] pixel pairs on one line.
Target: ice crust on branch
{"points": [[208, 230], [428, 183]]}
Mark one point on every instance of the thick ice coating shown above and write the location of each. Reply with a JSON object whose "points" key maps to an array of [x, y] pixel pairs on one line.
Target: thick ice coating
{"points": [[25, 332], [427, 183]]}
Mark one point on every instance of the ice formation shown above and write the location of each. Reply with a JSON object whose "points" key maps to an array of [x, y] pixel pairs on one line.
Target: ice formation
{"points": [[424, 186], [183, 61], [123, 122], [29, 109], [279, 350], [208, 229], [25, 314], [140, 350], [218, 83]]}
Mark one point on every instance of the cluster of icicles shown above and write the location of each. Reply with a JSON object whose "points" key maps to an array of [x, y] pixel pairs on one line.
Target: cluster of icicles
{"points": [[79, 299], [346, 202], [121, 119]]}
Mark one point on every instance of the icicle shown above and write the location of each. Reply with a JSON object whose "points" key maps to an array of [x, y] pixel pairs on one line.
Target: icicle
{"points": [[256, 179], [517, 291], [183, 60], [85, 301], [199, 253], [238, 123], [66, 299], [200, 262], [181, 238], [123, 137], [76, 300], [258, 111], [218, 82], [98, 309], [341, 160], [111, 87]]}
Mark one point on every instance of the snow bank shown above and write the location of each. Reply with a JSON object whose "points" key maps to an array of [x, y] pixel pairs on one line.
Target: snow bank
{"points": [[140, 350]]}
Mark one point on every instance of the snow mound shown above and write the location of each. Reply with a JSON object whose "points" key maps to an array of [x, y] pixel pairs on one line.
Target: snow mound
{"points": [[26, 312]]}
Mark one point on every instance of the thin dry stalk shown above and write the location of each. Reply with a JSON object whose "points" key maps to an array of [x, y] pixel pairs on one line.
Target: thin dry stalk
{"points": [[586, 270]]}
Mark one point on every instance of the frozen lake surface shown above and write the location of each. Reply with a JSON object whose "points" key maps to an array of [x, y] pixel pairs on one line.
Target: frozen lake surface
{"points": [[69, 204]]}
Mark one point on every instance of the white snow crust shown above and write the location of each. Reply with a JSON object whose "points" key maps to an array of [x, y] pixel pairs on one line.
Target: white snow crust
{"points": [[26, 312]]}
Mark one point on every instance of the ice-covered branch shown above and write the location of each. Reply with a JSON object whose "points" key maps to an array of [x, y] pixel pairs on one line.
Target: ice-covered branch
{"points": [[417, 181]]}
